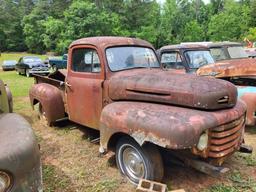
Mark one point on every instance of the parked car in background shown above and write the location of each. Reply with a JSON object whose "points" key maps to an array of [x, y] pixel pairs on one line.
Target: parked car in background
{"points": [[29, 65], [56, 63], [225, 50], [9, 65], [20, 166], [197, 59]]}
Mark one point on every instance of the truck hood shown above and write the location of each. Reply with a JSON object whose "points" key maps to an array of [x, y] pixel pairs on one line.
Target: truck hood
{"points": [[161, 86], [230, 68]]}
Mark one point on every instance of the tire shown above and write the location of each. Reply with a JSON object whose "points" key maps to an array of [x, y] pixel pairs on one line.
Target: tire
{"points": [[27, 73], [149, 161], [17, 72], [42, 115]]}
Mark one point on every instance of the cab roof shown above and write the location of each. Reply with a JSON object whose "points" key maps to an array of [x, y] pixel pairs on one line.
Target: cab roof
{"points": [[110, 41], [222, 44], [183, 46]]}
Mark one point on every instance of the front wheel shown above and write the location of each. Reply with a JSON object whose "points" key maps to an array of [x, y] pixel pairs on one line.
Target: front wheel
{"points": [[136, 162]]}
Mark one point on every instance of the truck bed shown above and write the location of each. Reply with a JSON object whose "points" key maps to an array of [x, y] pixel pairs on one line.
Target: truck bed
{"points": [[56, 79]]}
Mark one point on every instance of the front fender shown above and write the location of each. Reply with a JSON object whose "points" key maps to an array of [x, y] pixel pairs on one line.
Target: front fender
{"points": [[50, 98], [164, 125]]}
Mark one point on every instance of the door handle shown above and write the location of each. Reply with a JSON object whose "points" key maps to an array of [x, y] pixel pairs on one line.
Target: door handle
{"points": [[67, 84]]}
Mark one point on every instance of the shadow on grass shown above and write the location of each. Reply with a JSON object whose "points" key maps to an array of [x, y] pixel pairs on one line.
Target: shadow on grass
{"points": [[251, 129]]}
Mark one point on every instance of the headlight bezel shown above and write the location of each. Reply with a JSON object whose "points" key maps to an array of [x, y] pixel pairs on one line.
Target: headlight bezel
{"points": [[7, 179], [203, 140]]}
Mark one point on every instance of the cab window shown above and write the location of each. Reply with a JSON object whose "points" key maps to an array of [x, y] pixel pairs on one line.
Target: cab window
{"points": [[172, 60], [85, 60]]}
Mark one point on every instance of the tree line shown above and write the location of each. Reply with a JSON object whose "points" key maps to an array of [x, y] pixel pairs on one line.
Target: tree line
{"points": [[51, 25]]}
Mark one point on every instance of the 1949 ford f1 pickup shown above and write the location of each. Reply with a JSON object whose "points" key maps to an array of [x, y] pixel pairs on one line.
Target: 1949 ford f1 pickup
{"points": [[116, 85], [20, 168]]}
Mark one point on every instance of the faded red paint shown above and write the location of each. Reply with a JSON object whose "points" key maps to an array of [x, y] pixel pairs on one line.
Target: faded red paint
{"points": [[150, 105]]}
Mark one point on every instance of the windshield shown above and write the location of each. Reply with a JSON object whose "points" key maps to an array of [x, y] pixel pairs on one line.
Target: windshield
{"points": [[197, 59], [236, 52], [218, 54], [32, 59], [120, 58]]}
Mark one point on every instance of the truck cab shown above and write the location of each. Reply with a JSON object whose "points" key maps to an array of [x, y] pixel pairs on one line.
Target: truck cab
{"points": [[117, 86]]}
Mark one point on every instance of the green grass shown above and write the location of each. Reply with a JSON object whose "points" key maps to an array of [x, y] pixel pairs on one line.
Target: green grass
{"points": [[54, 179], [108, 185], [239, 183], [18, 84]]}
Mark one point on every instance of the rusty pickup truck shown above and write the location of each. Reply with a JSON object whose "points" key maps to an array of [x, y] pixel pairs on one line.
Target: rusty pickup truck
{"points": [[20, 167], [116, 85], [197, 58]]}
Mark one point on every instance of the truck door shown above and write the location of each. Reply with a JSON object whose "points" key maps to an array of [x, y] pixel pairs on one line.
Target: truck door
{"points": [[84, 86]]}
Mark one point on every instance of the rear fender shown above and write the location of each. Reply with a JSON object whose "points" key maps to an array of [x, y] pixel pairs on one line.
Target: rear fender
{"points": [[51, 100]]}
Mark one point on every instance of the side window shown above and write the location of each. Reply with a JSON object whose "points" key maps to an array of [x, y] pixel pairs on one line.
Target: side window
{"points": [[218, 54], [172, 60], [85, 60]]}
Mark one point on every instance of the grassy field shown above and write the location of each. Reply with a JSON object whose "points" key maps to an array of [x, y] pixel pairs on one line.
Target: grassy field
{"points": [[72, 163], [16, 56]]}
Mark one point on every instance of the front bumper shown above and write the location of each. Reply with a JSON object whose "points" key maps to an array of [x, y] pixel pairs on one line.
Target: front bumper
{"points": [[39, 70]]}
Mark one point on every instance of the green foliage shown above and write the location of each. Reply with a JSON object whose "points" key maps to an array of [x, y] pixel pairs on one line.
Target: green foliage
{"points": [[52, 29], [33, 27], [251, 34], [43, 25], [193, 32], [230, 24], [75, 26]]}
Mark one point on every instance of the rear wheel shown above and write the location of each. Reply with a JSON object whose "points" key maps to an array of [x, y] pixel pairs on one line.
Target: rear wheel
{"points": [[42, 115], [136, 162]]}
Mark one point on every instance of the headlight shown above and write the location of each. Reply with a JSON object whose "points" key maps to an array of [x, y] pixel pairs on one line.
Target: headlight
{"points": [[5, 181], [203, 142]]}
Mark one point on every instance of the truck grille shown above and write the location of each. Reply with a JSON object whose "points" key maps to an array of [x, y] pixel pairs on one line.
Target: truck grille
{"points": [[225, 139]]}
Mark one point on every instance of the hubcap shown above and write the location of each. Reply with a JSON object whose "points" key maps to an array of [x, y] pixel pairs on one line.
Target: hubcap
{"points": [[133, 164]]}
